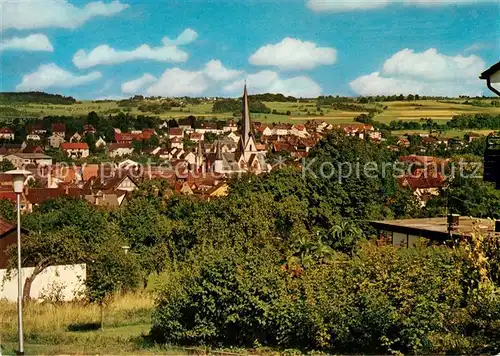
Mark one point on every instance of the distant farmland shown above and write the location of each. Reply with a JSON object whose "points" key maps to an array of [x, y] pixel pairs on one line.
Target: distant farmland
{"points": [[300, 112]]}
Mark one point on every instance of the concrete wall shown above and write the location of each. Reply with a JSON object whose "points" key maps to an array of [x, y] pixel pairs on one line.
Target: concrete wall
{"points": [[69, 280]]}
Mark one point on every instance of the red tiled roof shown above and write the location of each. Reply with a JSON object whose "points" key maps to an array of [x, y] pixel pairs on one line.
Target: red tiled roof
{"points": [[30, 148], [124, 137], [89, 171], [89, 128], [115, 146], [66, 174], [40, 195], [175, 131], [34, 128], [5, 227], [5, 130], [58, 127], [208, 125], [138, 136], [422, 182], [8, 195], [74, 146]]}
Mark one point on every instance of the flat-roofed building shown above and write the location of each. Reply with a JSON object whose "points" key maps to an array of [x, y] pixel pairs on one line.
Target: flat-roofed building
{"points": [[20, 160], [406, 232]]}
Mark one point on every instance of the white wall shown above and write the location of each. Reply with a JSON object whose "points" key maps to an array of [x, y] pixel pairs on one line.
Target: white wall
{"points": [[70, 277]]}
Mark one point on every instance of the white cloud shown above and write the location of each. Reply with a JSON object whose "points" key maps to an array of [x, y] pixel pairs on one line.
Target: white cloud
{"points": [[184, 38], [478, 46], [215, 70], [345, 5], [106, 55], [270, 82], [34, 14], [375, 84], [432, 65], [34, 42], [292, 54], [354, 5], [51, 76], [426, 73], [178, 82], [134, 86]]}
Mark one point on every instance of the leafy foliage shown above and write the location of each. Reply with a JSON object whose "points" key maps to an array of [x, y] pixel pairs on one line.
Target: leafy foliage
{"points": [[234, 105], [382, 300], [36, 97]]}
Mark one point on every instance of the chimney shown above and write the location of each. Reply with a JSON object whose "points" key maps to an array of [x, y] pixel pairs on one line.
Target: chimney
{"points": [[453, 221]]}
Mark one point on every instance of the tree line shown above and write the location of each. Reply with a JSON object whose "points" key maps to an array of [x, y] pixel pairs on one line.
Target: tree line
{"points": [[287, 260], [235, 105], [35, 97], [480, 121]]}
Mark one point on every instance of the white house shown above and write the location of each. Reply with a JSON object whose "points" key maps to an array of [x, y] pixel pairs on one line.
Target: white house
{"points": [[76, 137], [19, 160], [230, 126], [196, 136], [175, 132], [6, 133], [33, 137], [75, 149], [120, 149], [55, 140], [281, 129], [267, 131], [190, 157], [176, 142], [100, 143], [128, 163], [299, 131], [233, 136]]}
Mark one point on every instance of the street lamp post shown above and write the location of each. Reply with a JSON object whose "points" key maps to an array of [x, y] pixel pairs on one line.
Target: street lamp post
{"points": [[18, 178]]}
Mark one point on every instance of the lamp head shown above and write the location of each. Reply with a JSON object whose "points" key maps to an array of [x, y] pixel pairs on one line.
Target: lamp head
{"points": [[18, 177]]}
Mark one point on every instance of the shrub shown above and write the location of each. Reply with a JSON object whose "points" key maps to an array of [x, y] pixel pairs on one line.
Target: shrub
{"points": [[224, 298], [380, 300]]}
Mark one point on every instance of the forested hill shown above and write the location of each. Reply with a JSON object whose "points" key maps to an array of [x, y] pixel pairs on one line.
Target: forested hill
{"points": [[36, 97]]}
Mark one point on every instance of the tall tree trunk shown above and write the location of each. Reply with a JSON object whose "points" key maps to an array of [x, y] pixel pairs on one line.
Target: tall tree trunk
{"points": [[29, 281]]}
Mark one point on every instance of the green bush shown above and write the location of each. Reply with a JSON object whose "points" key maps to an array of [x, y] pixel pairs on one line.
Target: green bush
{"points": [[225, 298], [380, 300]]}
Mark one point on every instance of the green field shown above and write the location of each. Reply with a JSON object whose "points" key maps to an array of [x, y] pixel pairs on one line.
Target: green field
{"points": [[73, 329], [438, 111], [300, 112], [445, 134]]}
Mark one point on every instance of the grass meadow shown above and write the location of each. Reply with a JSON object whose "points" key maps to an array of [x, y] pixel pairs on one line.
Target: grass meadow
{"points": [[300, 112], [73, 328]]}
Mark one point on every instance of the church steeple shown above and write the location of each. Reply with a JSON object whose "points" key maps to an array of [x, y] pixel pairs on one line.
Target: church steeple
{"points": [[218, 152], [246, 128], [199, 150]]}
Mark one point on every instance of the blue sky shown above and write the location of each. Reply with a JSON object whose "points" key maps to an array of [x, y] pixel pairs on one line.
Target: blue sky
{"points": [[116, 49]]}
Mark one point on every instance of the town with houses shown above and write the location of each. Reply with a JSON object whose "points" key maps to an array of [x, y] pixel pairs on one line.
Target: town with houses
{"points": [[190, 164], [249, 177]]}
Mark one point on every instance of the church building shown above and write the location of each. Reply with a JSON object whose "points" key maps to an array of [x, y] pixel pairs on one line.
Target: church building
{"points": [[246, 158]]}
